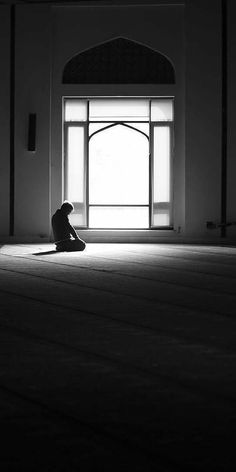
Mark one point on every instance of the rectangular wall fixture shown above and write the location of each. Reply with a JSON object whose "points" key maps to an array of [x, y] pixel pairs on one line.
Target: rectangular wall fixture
{"points": [[32, 132]]}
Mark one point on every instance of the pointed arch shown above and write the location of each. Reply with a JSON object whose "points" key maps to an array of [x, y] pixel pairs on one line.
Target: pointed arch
{"points": [[119, 123], [119, 61]]}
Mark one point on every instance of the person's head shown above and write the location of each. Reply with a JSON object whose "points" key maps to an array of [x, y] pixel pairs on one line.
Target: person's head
{"points": [[67, 207]]}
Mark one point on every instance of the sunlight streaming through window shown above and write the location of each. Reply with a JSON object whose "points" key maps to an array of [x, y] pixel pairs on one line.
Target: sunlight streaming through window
{"points": [[75, 165], [117, 110], [119, 167], [119, 217], [75, 110], [114, 177], [161, 176]]}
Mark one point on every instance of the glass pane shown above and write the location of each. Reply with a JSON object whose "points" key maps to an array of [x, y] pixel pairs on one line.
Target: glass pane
{"points": [[119, 167], [78, 218], [144, 127], [161, 176], [162, 218], [161, 161], [161, 214], [119, 217], [162, 110], [75, 164], [117, 110], [75, 174], [75, 110], [93, 127]]}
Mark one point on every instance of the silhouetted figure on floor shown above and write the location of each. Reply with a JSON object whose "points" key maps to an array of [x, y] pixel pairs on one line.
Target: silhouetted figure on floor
{"points": [[64, 232]]}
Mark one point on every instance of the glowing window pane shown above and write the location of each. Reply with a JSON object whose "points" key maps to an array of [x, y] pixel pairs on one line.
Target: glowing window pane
{"points": [[119, 217], [162, 110], [93, 127], [119, 167], [162, 218], [117, 110], [75, 174], [75, 110], [77, 218], [161, 176], [75, 164], [161, 170]]}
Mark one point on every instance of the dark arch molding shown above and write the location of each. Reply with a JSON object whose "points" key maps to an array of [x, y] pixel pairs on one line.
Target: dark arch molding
{"points": [[119, 61], [119, 123]]}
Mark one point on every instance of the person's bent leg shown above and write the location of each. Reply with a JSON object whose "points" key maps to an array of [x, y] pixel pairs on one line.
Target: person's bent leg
{"points": [[78, 245], [74, 245], [71, 245], [60, 246]]}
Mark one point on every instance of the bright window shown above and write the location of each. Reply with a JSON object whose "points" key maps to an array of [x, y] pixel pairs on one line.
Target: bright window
{"points": [[162, 110], [122, 109], [119, 167], [75, 110], [118, 162], [75, 173], [122, 217]]}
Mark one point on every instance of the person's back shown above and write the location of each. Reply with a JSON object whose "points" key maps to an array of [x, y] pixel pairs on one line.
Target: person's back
{"points": [[64, 232], [60, 226]]}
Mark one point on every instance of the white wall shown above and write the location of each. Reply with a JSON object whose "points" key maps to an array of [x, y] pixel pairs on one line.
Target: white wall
{"points": [[47, 36], [4, 119]]}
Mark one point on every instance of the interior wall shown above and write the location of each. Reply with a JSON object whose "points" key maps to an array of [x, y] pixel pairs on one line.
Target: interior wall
{"points": [[71, 29], [203, 115], [79, 28], [32, 91], [231, 164], [5, 19]]}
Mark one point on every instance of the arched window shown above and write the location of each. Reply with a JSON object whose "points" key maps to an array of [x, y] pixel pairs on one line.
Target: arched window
{"points": [[119, 61]]}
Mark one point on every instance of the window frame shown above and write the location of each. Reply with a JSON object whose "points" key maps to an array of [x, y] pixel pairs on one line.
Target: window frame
{"points": [[152, 124]]}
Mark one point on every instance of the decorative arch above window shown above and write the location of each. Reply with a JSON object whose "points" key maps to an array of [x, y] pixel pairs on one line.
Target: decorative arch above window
{"points": [[119, 61]]}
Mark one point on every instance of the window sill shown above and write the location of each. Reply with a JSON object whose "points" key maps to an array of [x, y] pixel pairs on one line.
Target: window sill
{"points": [[127, 235]]}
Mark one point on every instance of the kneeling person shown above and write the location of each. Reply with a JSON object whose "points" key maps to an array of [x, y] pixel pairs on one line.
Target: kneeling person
{"points": [[64, 232]]}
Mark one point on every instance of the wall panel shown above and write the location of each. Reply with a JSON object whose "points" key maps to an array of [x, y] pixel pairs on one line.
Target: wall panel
{"points": [[5, 119], [32, 169], [203, 115], [231, 164]]}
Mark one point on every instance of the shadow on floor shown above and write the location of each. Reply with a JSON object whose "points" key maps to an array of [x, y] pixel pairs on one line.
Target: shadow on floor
{"points": [[45, 253]]}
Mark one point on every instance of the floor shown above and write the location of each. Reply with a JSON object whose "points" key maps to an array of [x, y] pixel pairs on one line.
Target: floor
{"points": [[120, 358]]}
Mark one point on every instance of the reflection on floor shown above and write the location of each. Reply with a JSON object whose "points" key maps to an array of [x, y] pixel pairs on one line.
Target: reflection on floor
{"points": [[122, 357]]}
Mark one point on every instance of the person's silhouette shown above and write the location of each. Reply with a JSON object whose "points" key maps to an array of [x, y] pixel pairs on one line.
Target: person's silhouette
{"points": [[65, 236]]}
